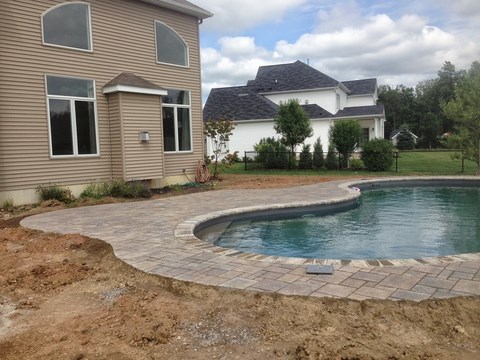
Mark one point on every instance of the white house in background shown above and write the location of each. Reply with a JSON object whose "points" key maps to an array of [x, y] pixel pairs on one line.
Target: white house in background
{"points": [[326, 100]]}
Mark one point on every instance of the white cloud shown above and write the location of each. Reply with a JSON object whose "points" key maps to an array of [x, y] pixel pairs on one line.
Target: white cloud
{"points": [[234, 16]]}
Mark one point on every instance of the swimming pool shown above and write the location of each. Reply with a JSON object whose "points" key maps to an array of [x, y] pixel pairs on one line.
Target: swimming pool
{"points": [[388, 223]]}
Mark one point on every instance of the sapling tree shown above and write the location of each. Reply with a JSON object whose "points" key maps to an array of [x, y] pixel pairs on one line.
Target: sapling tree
{"points": [[345, 136], [219, 132], [292, 123]]}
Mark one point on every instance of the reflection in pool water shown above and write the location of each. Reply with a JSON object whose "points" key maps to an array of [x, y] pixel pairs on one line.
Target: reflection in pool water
{"points": [[389, 224]]}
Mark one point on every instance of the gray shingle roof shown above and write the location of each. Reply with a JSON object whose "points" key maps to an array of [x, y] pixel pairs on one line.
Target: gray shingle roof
{"points": [[361, 87], [353, 111], [238, 103], [288, 77], [246, 102]]}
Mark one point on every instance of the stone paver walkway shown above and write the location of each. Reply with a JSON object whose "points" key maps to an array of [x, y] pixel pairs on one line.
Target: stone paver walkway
{"points": [[155, 236]]}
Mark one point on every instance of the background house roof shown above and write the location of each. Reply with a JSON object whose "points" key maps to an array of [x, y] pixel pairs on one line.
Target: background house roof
{"points": [[288, 77], [182, 6], [371, 110], [238, 103], [361, 87]]}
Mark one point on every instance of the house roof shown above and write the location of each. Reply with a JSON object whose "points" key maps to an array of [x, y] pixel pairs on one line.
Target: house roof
{"points": [[182, 6], [288, 77], [249, 103], [361, 87], [353, 111], [129, 82], [238, 103], [395, 132]]}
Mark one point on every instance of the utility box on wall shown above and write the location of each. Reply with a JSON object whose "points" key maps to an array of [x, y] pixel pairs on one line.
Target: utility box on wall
{"points": [[143, 136]]}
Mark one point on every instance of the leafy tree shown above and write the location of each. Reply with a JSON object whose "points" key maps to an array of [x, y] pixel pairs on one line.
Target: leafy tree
{"points": [[219, 132], [345, 135], [305, 162], [464, 111], [292, 123], [378, 155], [318, 160], [331, 162]]}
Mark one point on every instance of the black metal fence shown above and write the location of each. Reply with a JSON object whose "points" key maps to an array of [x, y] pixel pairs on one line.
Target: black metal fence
{"points": [[254, 160]]}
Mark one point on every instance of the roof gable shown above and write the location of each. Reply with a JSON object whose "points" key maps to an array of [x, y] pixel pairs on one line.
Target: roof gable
{"points": [[288, 77]]}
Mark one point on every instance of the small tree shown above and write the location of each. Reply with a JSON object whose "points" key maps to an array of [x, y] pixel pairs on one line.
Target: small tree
{"points": [[378, 155], [219, 132], [292, 123], [331, 162], [318, 160], [305, 162], [345, 135], [464, 110]]}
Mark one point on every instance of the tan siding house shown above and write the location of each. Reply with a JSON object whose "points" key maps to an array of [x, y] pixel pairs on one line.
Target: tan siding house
{"points": [[99, 89]]}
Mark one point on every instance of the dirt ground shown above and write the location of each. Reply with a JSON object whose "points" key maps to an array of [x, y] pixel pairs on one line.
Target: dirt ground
{"points": [[69, 297]]}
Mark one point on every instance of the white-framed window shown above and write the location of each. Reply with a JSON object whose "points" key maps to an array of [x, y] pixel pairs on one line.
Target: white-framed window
{"points": [[338, 101], [68, 25], [170, 47], [177, 123], [72, 123]]}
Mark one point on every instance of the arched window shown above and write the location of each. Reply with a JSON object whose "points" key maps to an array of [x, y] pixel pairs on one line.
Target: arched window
{"points": [[68, 25], [171, 48]]}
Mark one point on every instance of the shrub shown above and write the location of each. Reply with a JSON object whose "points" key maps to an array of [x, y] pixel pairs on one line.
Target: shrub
{"points": [[272, 154], [318, 160], [331, 162], [232, 158], [54, 192], [306, 161], [356, 164], [116, 188], [7, 205], [378, 155]]}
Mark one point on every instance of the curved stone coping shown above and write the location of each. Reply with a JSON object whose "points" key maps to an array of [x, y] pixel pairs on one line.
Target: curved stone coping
{"points": [[186, 230], [147, 235]]}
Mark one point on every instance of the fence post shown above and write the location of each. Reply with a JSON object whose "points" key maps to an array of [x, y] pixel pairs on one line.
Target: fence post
{"points": [[396, 161], [463, 164], [245, 160]]}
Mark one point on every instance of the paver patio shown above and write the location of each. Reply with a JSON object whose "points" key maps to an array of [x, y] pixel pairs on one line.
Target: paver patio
{"points": [[155, 236]]}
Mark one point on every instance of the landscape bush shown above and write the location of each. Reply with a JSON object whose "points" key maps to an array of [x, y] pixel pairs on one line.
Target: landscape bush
{"points": [[378, 155], [306, 161], [272, 154], [116, 188], [55, 192], [331, 162], [318, 159]]}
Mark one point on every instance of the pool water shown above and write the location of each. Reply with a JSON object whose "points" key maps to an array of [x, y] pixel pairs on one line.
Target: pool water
{"points": [[393, 223]]}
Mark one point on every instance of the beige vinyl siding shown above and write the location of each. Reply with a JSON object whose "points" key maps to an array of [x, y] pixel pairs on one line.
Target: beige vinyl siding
{"points": [[123, 41], [116, 136], [143, 160]]}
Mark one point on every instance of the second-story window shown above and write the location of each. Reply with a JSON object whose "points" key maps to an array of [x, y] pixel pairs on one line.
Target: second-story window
{"points": [[171, 48], [68, 25]]}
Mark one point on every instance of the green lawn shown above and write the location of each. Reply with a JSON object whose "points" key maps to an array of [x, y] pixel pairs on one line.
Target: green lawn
{"points": [[409, 163]]}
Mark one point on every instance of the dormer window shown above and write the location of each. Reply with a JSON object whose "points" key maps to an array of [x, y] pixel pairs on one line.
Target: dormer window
{"points": [[68, 25], [171, 48]]}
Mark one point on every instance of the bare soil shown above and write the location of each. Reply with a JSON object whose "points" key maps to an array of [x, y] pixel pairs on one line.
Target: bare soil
{"points": [[69, 297]]}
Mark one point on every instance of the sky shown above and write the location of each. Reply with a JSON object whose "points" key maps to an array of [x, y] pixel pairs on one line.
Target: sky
{"points": [[395, 41]]}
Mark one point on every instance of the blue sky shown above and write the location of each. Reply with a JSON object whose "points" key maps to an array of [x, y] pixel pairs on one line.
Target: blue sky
{"points": [[398, 42]]}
